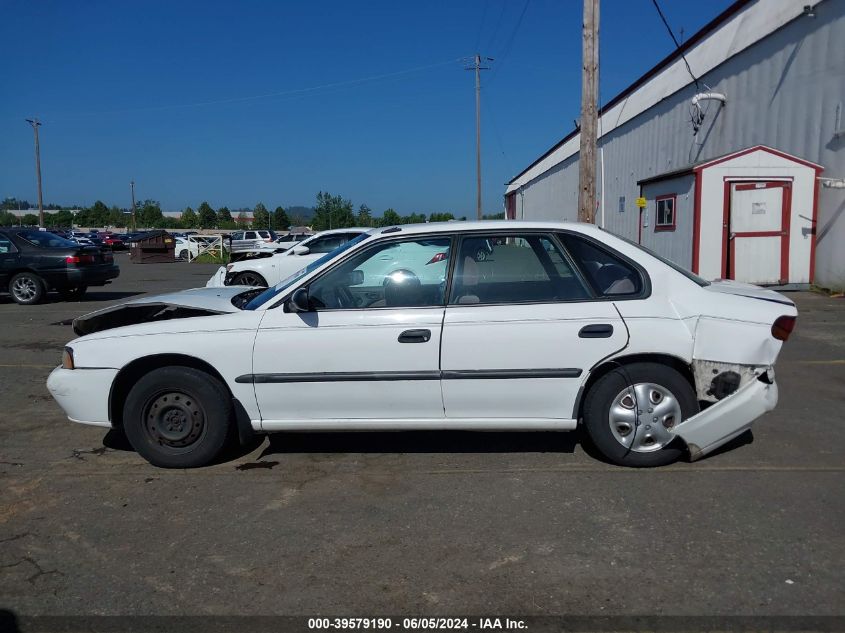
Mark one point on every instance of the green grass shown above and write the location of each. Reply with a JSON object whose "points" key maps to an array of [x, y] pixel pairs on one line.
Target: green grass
{"points": [[211, 258]]}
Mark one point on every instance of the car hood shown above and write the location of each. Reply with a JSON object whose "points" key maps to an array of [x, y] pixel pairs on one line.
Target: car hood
{"points": [[730, 287], [174, 305]]}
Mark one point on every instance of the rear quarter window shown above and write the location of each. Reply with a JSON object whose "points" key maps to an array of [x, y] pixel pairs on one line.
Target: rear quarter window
{"points": [[608, 272]]}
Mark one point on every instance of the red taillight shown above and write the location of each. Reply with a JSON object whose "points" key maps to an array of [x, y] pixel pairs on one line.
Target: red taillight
{"points": [[79, 259], [437, 258], [782, 327]]}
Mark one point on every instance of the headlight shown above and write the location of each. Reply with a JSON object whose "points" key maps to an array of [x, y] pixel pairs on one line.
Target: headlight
{"points": [[67, 358]]}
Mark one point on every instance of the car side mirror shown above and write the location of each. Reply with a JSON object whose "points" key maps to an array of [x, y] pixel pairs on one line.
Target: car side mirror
{"points": [[301, 250], [299, 301]]}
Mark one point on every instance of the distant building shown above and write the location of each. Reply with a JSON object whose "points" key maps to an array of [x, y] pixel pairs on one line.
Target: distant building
{"points": [[743, 174]]}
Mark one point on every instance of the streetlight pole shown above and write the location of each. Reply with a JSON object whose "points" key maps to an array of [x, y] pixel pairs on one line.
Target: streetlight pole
{"points": [[476, 65], [132, 187], [35, 123]]}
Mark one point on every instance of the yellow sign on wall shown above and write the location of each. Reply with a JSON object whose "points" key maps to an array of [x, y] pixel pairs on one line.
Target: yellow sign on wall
{"points": [[641, 203]]}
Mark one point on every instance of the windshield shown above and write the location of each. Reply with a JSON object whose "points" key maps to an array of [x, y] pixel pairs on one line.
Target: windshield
{"points": [[46, 239], [280, 287], [691, 276]]}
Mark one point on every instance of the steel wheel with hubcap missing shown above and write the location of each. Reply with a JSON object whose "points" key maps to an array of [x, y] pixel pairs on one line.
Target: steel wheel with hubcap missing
{"points": [[630, 411], [174, 419], [178, 417], [26, 288]]}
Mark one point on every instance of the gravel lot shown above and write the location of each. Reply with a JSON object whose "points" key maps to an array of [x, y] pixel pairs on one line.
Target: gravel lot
{"points": [[417, 523]]}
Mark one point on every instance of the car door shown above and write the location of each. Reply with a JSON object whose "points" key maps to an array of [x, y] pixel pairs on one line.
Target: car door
{"points": [[521, 329], [365, 351], [9, 257]]}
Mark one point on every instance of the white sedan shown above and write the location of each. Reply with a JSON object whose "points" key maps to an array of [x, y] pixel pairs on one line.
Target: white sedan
{"points": [[272, 268], [559, 324]]}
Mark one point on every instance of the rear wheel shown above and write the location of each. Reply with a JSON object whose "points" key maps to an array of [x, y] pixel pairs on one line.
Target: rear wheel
{"points": [[178, 417], [250, 278], [630, 412], [183, 254], [26, 288]]}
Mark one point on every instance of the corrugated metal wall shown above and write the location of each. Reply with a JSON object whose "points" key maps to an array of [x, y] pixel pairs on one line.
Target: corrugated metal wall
{"points": [[784, 92], [675, 245]]}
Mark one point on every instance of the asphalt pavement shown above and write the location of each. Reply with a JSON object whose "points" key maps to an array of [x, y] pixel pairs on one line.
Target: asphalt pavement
{"points": [[421, 522]]}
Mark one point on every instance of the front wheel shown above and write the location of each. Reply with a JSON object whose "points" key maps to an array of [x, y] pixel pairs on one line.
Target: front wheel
{"points": [[178, 417], [630, 411], [183, 254], [250, 278]]}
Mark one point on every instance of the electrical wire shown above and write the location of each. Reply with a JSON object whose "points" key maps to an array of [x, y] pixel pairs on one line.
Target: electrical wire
{"points": [[674, 39], [507, 49], [282, 93]]}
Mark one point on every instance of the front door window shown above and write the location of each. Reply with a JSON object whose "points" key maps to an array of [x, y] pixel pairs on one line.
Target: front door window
{"points": [[410, 273]]}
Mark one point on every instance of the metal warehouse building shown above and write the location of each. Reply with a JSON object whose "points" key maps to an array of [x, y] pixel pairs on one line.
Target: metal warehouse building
{"points": [[744, 172]]}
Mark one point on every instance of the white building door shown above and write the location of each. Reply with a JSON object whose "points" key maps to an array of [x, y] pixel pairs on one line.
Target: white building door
{"points": [[758, 234]]}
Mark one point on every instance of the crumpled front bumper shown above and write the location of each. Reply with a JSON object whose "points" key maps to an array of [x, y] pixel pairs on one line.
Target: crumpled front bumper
{"points": [[83, 394], [728, 418]]}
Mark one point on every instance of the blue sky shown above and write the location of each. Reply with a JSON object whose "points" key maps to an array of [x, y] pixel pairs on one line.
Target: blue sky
{"points": [[241, 102]]}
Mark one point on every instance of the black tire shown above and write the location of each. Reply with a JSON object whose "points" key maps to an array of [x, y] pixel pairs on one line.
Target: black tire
{"points": [[27, 288], [249, 278], [183, 254], [609, 387], [197, 409], [73, 294]]}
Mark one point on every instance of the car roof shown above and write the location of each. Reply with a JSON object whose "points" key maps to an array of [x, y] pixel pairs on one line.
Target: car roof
{"points": [[462, 226]]}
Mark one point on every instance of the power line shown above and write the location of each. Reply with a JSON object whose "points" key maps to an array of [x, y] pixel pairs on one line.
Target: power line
{"points": [[269, 95], [507, 49], [481, 26], [492, 39], [674, 39]]}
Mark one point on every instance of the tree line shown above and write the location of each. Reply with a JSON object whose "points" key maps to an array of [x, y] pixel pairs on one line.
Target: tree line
{"points": [[331, 212]]}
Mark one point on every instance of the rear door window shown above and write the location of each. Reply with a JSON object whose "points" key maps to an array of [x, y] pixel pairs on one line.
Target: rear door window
{"points": [[527, 268]]}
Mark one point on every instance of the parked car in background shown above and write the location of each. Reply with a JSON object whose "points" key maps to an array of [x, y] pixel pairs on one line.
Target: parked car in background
{"points": [[292, 239], [114, 241], [561, 323], [251, 239], [268, 271], [33, 262]]}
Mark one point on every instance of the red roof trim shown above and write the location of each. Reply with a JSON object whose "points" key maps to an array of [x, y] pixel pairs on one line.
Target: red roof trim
{"points": [[757, 148]]}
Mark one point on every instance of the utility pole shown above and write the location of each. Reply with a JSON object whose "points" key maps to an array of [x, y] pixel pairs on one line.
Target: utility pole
{"points": [[35, 123], [589, 113], [132, 187], [476, 65]]}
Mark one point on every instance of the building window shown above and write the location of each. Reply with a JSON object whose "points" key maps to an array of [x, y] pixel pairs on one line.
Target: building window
{"points": [[665, 217]]}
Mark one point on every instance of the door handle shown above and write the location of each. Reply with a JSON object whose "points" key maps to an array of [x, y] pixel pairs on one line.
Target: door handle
{"points": [[415, 336], [597, 330]]}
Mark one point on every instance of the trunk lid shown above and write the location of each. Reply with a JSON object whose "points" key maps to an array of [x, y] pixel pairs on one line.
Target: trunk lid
{"points": [[728, 286]]}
